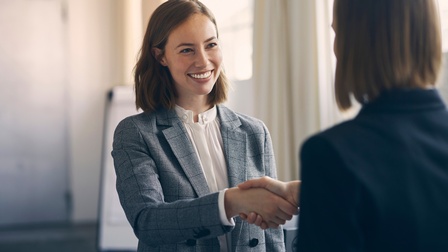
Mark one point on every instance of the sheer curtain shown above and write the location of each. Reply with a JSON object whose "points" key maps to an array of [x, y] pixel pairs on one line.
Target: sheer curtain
{"points": [[443, 79], [293, 74]]}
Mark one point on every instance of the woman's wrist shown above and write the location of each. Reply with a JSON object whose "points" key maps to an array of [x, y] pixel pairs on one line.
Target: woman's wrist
{"points": [[230, 202]]}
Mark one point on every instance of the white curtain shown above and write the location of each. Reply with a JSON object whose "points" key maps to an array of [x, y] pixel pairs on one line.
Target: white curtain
{"points": [[293, 74]]}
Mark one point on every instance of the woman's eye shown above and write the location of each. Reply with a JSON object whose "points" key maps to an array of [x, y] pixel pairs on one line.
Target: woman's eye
{"points": [[186, 50], [211, 45]]}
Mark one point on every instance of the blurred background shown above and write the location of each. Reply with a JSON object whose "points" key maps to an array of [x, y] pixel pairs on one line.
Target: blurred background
{"points": [[59, 60]]}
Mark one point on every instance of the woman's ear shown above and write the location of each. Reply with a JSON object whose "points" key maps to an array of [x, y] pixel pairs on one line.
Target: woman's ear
{"points": [[158, 54]]}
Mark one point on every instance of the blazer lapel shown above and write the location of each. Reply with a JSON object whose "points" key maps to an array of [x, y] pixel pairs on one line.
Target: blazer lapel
{"points": [[183, 149], [234, 144]]}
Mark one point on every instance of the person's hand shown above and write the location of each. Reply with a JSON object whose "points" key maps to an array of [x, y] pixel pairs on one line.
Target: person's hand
{"points": [[272, 209], [254, 218], [287, 190]]}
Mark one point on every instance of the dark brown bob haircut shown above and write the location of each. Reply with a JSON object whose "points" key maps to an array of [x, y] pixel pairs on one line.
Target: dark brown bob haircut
{"points": [[154, 85], [384, 44]]}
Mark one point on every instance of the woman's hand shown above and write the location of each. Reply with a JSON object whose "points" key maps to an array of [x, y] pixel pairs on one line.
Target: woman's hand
{"points": [[273, 209], [288, 190]]}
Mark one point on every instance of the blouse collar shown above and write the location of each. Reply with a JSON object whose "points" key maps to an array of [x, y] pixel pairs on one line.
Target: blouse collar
{"points": [[203, 118]]}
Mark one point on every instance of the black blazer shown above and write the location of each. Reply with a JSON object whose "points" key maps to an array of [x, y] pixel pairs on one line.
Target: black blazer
{"points": [[379, 182]]}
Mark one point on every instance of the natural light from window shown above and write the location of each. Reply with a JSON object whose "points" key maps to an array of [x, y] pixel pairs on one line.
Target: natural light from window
{"points": [[235, 24], [443, 8]]}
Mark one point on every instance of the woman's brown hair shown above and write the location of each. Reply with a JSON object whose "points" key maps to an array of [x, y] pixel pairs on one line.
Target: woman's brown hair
{"points": [[384, 44], [154, 85]]}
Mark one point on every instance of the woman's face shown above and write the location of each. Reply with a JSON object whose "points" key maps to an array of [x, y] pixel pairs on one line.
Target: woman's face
{"points": [[193, 57]]}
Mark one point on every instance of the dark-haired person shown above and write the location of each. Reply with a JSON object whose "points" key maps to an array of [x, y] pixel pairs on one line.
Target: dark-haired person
{"points": [[178, 162], [378, 182]]}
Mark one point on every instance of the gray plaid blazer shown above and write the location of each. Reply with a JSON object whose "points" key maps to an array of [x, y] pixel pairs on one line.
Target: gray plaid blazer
{"points": [[163, 190]]}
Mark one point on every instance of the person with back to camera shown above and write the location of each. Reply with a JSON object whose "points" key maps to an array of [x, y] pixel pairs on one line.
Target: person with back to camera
{"points": [[378, 182], [175, 161]]}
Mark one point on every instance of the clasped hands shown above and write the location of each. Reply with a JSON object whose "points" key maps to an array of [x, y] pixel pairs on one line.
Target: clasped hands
{"points": [[265, 202]]}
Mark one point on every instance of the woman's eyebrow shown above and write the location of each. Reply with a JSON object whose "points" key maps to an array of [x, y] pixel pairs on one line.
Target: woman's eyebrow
{"points": [[192, 44]]}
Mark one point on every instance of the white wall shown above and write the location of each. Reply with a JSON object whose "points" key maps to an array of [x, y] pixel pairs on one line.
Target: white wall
{"points": [[33, 112], [92, 57], [104, 38]]}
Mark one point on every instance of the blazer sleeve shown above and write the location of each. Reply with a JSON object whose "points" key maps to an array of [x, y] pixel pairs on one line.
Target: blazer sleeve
{"points": [[328, 200], [154, 221]]}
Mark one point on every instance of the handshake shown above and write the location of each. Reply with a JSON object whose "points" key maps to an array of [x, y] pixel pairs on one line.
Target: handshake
{"points": [[265, 202]]}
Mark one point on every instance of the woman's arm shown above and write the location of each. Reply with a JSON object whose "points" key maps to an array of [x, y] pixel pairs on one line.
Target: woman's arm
{"points": [[159, 202], [287, 190], [276, 209], [144, 194]]}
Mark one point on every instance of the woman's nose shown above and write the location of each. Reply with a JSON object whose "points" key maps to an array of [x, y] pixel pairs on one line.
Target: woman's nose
{"points": [[201, 58]]}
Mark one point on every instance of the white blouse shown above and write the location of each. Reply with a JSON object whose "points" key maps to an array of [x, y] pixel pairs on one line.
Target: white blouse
{"points": [[206, 138]]}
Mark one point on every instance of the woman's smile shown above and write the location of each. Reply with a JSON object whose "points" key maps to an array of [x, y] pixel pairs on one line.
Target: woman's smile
{"points": [[204, 75]]}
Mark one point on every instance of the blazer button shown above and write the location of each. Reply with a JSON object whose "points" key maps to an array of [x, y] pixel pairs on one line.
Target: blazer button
{"points": [[253, 242], [201, 233], [191, 242]]}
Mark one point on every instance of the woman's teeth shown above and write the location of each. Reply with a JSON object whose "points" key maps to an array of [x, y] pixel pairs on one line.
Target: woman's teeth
{"points": [[201, 76]]}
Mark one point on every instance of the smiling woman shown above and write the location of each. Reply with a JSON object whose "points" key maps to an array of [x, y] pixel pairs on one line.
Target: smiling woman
{"points": [[193, 57], [178, 162]]}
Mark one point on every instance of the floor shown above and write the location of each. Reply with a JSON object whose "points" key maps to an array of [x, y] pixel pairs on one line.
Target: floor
{"points": [[49, 238], [76, 238]]}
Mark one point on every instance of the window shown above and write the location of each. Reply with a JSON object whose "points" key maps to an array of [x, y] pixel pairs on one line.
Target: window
{"points": [[442, 82], [443, 9], [235, 24]]}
